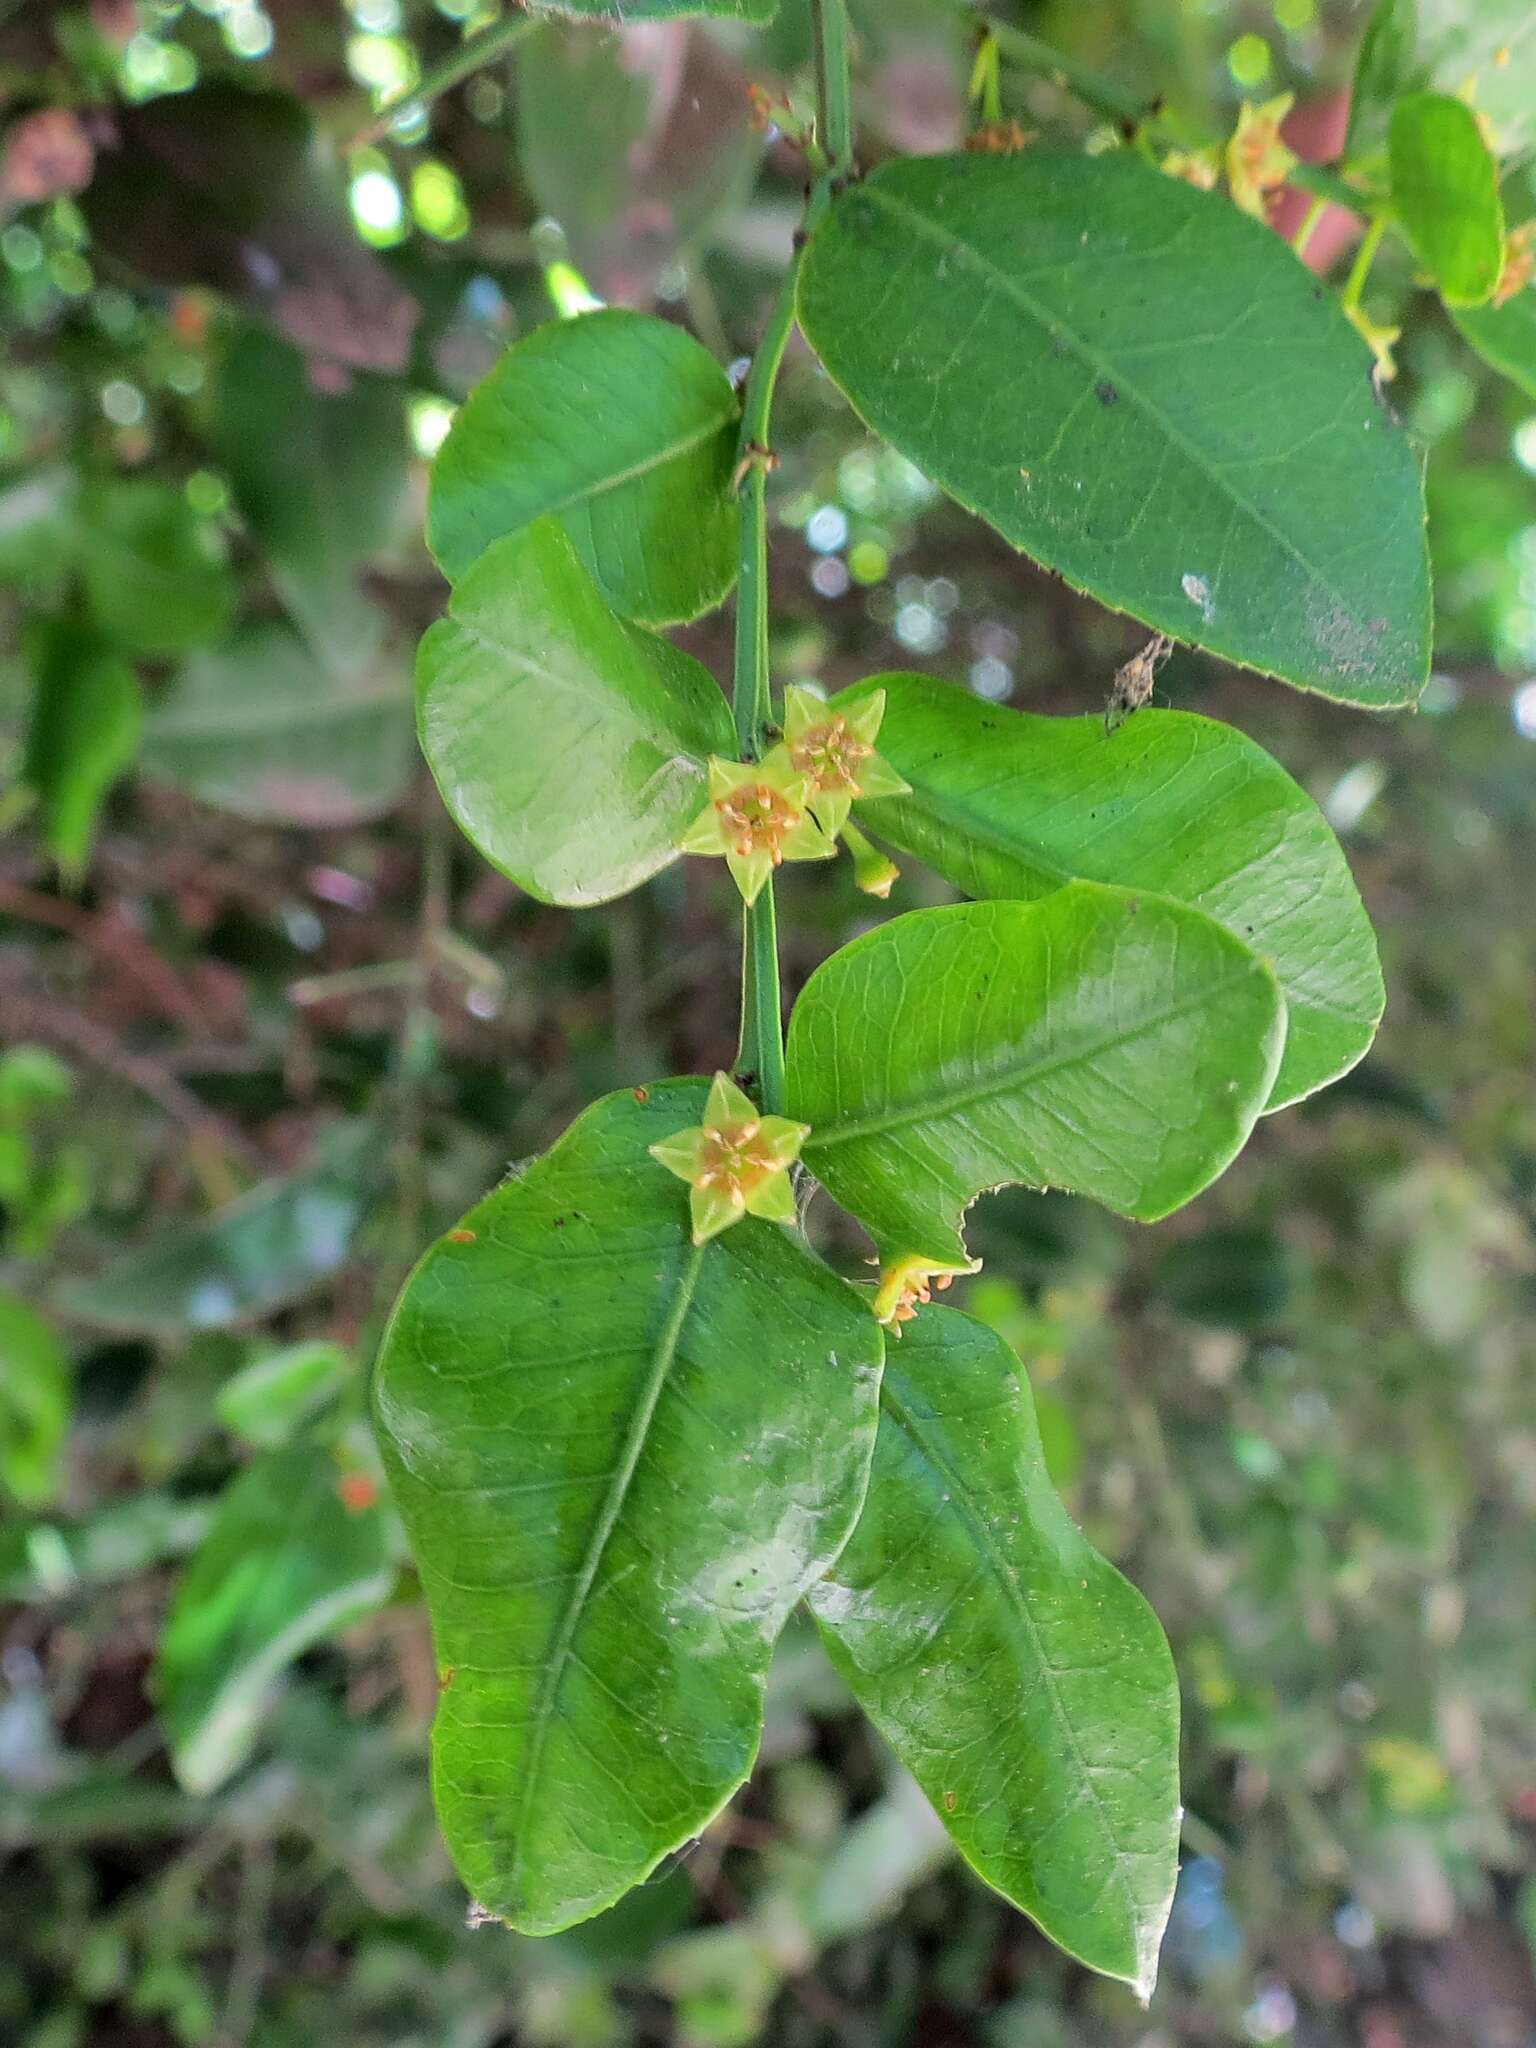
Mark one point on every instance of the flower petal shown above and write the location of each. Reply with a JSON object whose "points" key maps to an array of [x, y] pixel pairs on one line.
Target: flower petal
{"points": [[774, 1200], [682, 1153]]}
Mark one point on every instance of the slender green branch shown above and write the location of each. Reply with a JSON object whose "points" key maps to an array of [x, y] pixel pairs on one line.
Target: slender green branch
{"points": [[834, 112], [1365, 256], [470, 57], [761, 1054]]}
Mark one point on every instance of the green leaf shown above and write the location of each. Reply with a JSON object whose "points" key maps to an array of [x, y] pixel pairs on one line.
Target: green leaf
{"points": [[36, 1397], [625, 427], [285, 1565], [1113, 1044], [1005, 803], [1505, 336], [568, 746], [1023, 1682], [155, 576], [621, 1460], [319, 478], [83, 732], [270, 1399], [1388, 53], [628, 11], [1445, 187], [260, 727], [1145, 390], [259, 1254]]}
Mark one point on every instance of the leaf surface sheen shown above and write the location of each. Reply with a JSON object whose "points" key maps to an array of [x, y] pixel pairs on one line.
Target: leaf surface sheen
{"points": [[568, 745], [621, 1460], [1114, 1044], [1008, 803], [1021, 1679], [625, 428], [1143, 389]]}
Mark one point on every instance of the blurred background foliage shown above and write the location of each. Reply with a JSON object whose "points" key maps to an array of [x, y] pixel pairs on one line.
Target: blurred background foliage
{"points": [[268, 1025]]}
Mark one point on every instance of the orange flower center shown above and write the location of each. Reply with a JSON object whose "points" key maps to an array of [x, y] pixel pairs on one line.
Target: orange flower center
{"points": [[831, 753], [756, 818], [730, 1161]]}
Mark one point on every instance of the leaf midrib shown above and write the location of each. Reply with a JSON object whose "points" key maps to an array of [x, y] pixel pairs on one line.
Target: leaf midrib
{"points": [[1007, 1080], [672, 452], [1057, 325], [547, 1693], [960, 1496]]}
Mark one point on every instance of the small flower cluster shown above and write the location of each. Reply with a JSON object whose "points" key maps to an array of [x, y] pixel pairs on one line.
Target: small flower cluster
{"points": [[794, 803]]}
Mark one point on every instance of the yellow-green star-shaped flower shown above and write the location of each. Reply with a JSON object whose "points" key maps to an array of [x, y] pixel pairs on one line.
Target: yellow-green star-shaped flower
{"points": [[736, 1163], [836, 749], [758, 814], [1257, 160]]}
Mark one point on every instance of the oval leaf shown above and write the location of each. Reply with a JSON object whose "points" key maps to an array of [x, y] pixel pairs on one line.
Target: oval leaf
{"points": [[1142, 388], [626, 428], [1006, 803], [1445, 186], [569, 746], [83, 732], [621, 1460], [1117, 1045], [1023, 1682], [627, 11], [285, 1564]]}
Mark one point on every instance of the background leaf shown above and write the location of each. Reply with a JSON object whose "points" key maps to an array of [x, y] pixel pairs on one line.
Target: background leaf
{"points": [[954, 1050], [621, 1460], [1445, 187], [568, 745], [1005, 803], [271, 1247], [154, 573], [1505, 336], [36, 1400], [259, 726], [319, 478], [1144, 389], [82, 733], [1019, 1677], [285, 1564], [642, 484]]}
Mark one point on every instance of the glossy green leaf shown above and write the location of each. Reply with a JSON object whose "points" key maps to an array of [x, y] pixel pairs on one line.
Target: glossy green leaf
{"points": [[1484, 52], [627, 11], [1018, 1676], [1005, 803], [261, 727], [262, 1252], [569, 746], [621, 1460], [1505, 336], [36, 1396], [626, 428], [285, 1564], [154, 572], [1114, 1044], [83, 732], [1445, 187], [319, 478], [1142, 388]]}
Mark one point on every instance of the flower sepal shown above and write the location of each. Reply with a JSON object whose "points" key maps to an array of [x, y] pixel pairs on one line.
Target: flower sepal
{"points": [[836, 751]]}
